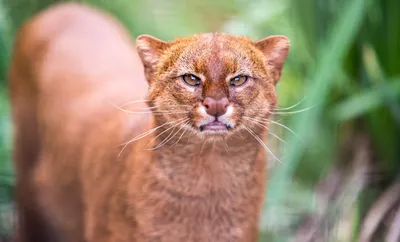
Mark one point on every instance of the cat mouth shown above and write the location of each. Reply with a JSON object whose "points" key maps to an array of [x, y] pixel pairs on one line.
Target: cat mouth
{"points": [[214, 126]]}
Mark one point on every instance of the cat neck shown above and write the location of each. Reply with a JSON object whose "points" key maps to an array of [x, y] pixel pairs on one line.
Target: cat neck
{"points": [[198, 167]]}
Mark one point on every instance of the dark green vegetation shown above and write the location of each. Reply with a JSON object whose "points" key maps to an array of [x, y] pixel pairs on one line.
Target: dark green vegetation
{"points": [[341, 170]]}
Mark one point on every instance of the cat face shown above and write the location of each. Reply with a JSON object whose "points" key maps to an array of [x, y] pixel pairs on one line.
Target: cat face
{"points": [[213, 84]]}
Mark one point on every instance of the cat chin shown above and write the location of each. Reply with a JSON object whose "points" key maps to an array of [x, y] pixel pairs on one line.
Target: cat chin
{"points": [[214, 134]]}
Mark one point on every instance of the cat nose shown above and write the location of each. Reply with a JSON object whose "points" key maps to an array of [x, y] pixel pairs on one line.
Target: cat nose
{"points": [[216, 108]]}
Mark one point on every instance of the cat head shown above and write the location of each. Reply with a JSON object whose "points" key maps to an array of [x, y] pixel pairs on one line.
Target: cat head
{"points": [[213, 84]]}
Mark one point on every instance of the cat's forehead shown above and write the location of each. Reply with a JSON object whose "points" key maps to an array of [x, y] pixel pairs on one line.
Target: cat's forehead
{"points": [[215, 55]]}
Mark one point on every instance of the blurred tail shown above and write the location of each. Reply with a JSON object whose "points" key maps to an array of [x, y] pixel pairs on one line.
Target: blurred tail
{"points": [[26, 139]]}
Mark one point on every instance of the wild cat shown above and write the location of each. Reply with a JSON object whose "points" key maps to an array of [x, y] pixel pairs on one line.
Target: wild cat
{"points": [[192, 164]]}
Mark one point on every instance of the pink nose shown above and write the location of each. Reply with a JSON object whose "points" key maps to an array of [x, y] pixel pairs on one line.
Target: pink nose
{"points": [[216, 108]]}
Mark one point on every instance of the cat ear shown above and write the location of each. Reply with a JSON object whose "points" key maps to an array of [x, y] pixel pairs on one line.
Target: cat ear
{"points": [[275, 49], [150, 50]]}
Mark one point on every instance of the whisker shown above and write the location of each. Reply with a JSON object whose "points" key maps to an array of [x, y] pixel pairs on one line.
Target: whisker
{"points": [[285, 127], [180, 137], [240, 135], [154, 112], [293, 112], [172, 136], [150, 112], [276, 136], [144, 135], [161, 144], [135, 101], [226, 146], [260, 120], [284, 112], [261, 142], [162, 112], [294, 105], [202, 147], [266, 121], [283, 108], [154, 107], [167, 138]]}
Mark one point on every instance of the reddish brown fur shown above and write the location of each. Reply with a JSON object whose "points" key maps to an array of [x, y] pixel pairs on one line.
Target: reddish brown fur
{"points": [[70, 62]]}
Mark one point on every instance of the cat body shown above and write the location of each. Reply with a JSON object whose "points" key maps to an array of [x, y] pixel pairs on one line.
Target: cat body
{"points": [[101, 154]]}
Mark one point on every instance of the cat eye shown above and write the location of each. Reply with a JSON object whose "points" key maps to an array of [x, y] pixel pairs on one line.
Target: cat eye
{"points": [[238, 80], [191, 80]]}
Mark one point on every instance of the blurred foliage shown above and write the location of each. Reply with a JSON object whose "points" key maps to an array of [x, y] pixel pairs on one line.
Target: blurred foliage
{"points": [[344, 61]]}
